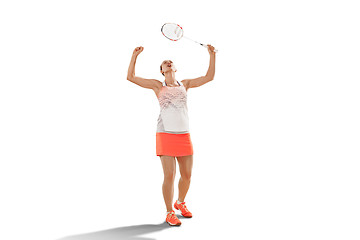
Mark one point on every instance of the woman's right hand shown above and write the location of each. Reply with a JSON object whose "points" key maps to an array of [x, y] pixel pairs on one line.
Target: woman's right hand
{"points": [[138, 50]]}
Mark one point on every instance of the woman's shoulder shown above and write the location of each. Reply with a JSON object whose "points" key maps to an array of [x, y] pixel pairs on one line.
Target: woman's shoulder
{"points": [[185, 84], [157, 89], [158, 83]]}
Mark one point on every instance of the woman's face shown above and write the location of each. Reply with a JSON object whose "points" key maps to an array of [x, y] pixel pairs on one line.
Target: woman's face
{"points": [[167, 66]]}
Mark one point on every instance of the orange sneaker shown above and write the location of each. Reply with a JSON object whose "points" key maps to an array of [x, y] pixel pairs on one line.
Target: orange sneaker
{"points": [[172, 219], [182, 207]]}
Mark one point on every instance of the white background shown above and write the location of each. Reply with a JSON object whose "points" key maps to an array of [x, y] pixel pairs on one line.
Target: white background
{"points": [[275, 134]]}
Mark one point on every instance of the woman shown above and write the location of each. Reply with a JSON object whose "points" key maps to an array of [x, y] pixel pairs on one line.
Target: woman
{"points": [[172, 135]]}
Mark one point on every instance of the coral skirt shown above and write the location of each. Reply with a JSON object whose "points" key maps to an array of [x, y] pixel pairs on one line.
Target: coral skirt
{"points": [[173, 144]]}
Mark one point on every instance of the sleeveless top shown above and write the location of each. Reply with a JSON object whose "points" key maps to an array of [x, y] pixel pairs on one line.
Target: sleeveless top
{"points": [[173, 117]]}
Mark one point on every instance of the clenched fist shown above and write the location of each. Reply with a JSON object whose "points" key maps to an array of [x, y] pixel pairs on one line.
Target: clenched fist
{"points": [[138, 50], [211, 49]]}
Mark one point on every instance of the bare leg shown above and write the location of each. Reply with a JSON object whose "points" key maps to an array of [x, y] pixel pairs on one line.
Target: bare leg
{"points": [[169, 168], [185, 165]]}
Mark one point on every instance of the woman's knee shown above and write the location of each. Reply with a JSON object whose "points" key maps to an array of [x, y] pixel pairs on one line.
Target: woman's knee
{"points": [[185, 164], [186, 176], [169, 176]]}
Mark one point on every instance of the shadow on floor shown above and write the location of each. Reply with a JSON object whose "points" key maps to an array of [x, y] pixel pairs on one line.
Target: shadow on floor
{"points": [[123, 233]]}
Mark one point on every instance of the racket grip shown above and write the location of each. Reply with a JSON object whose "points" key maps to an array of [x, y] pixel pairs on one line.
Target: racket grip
{"points": [[206, 46]]}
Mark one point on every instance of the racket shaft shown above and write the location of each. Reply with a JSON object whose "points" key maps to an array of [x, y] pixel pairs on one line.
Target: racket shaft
{"points": [[204, 45], [193, 40]]}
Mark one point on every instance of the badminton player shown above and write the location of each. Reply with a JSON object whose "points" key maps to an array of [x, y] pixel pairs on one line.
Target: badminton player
{"points": [[172, 134]]}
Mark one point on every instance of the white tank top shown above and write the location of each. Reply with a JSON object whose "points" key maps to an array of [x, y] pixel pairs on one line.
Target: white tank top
{"points": [[173, 117]]}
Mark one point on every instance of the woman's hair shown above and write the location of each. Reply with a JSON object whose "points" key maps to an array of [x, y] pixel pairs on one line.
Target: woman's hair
{"points": [[161, 69]]}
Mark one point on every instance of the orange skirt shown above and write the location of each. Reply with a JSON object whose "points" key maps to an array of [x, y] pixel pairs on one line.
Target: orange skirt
{"points": [[173, 144]]}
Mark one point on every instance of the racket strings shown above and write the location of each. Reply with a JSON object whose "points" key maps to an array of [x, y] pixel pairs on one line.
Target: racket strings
{"points": [[172, 31]]}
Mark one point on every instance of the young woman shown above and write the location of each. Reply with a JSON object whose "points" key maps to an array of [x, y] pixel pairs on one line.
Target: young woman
{"points": [[172, 135]]}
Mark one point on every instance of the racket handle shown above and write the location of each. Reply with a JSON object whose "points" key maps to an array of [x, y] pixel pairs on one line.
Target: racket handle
{"points": [[206, 46]]}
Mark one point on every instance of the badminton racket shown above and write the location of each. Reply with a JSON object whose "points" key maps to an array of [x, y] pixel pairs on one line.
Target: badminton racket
{"points": [[175, 32]]}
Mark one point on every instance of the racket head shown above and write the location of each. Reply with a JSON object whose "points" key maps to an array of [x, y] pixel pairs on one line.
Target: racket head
{"points": [[172, 31]]}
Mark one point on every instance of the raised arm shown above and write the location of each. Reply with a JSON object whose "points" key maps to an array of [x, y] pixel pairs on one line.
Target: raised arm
{"points": [[197, 82], [142, 82]]}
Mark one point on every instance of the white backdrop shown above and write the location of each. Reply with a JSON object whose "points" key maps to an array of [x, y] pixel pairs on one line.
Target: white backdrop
{"points": [[275, 134]]}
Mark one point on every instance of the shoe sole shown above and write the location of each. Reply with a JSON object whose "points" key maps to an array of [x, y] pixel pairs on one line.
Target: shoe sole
{"points": [[174, 224]]}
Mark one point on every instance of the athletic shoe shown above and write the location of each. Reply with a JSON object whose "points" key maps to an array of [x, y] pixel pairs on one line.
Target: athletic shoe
{"points": [[172, 219], [182, 207]]}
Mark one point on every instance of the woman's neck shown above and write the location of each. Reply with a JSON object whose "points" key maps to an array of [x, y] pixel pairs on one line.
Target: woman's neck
{"points": [[170, 78]]}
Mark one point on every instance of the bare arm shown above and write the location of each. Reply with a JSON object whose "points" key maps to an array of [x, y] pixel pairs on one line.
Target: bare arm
{"points": [[197, 82], [142, 82]]}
